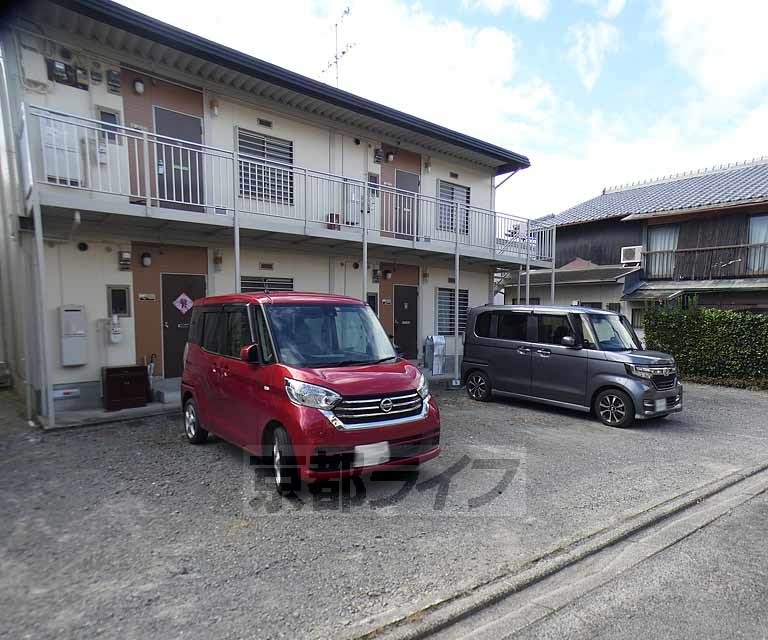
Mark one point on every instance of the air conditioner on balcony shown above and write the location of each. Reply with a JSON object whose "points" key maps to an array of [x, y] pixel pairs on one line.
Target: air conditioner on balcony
{"points": [[631, 255]]}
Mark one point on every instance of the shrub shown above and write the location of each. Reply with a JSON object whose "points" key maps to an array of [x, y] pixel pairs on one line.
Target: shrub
{"points": [[711, 343]]}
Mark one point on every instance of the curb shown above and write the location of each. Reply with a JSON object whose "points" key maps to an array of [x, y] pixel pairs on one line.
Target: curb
{"points": [[435, 617], [95, 422]]}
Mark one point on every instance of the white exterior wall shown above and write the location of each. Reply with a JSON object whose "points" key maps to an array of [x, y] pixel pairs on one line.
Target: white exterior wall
{"points": [[81, 277]]}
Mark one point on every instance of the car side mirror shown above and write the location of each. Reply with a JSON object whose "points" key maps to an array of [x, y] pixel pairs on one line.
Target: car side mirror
{"points": [[250, 353], [569, 341]]}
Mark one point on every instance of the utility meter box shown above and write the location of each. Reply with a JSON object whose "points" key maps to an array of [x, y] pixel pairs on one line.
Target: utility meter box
{"points": [[74, 335]]}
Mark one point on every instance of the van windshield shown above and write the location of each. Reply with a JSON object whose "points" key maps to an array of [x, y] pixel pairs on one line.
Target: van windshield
{"points": [[614, 333], [325, 335]]}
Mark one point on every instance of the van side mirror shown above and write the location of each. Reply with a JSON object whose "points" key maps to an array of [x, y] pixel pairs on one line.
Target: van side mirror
{"points": [[568, 341], [250, 353]]}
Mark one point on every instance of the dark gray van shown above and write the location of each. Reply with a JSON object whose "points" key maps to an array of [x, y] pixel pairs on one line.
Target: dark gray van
{"points": [[573, 357]]}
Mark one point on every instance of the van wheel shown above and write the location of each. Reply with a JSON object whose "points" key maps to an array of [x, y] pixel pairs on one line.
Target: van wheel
{"points": [[195, 433], [479, 386], [614, 408], [284, 468]]}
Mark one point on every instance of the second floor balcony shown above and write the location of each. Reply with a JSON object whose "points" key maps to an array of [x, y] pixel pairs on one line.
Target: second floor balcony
{"points": [[76, 161], [708, 263]]}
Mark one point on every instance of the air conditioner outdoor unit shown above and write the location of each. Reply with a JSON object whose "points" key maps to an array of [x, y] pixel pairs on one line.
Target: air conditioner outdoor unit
{"points": [[631, 255]]}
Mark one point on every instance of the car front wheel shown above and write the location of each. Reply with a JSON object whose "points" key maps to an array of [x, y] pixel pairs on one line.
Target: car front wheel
{"points": [[614, 408], [284, 468], [479, 386]]}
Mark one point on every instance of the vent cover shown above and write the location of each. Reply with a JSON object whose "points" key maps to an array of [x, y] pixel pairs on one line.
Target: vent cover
{"points": [[263, 122]]}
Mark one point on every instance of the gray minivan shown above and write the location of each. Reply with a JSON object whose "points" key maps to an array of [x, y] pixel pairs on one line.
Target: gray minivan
{"points": [[574, 357]]}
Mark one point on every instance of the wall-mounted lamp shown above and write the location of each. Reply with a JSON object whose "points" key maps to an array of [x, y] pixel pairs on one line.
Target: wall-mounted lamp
{"points": [[376, 275], [387, 275], [215, 108], [390, 156], [138, 86], [428, 165], [146, 259], [425, 276]]}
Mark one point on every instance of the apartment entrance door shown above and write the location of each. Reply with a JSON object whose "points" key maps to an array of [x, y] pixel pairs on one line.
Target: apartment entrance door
{"points": [[179, 291], [406, 319], [179, 162]]}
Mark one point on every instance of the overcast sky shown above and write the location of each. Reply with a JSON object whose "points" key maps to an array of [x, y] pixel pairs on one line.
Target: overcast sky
{"points": [[595, 92]]}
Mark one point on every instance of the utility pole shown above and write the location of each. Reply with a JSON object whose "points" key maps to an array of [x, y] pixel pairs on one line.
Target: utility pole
{"points": [[338, 55]]}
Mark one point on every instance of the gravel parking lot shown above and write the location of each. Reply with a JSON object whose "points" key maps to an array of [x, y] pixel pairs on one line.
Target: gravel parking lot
{"points": [[129, 532]]}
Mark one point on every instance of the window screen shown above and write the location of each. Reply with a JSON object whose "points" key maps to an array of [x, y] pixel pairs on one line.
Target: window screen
{"points": [[253, 284], [266, 171], [513, 326], [118, 301], [553, 328], [446, 213], [214, 331], [110, 120], [238, 332], [446, 313]]}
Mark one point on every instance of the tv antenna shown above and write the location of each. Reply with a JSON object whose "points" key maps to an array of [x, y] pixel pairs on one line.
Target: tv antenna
{"points": [[339, 54]]}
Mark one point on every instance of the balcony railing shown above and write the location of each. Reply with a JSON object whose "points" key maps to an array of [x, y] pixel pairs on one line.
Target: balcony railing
{"points": [[156, 171], [708, 263]]}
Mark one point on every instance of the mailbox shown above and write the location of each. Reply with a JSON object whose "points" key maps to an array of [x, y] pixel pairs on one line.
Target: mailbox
{"points": [[74, 335]]}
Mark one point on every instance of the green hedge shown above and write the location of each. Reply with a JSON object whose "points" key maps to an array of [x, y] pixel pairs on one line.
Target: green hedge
{"points": [[711, 343]]}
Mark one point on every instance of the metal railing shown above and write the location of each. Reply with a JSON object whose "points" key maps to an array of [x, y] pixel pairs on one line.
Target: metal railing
{"points": [[708, 263], [158, 171]]}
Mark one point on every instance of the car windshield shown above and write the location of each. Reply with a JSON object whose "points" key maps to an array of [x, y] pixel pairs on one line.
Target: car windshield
{"points": [[326, 335], [614, 333]]}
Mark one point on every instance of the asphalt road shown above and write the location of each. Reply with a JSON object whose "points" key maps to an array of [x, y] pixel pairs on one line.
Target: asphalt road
{"points": [[129, 532], [713, 584]]}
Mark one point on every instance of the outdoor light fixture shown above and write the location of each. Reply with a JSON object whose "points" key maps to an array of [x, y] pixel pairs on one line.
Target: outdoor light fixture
{"points": [[138, 86], [215, 108], [124, 260], [146, 259], [387, 275], [390, 156]]}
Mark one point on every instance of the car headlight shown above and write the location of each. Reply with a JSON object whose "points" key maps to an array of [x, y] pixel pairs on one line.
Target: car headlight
{"points": [[423, 388], [648, 371], [311, 395]]}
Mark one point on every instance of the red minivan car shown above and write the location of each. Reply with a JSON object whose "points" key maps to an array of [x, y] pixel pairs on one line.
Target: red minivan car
{"points": [[310, 382]]}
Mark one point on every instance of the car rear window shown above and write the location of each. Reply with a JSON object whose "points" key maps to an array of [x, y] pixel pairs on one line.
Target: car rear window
{"points": [[513, 326], [483, 325]]}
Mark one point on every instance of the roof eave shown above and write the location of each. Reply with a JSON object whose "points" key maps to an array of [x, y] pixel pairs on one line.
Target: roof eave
{"points": [[142, 25]]}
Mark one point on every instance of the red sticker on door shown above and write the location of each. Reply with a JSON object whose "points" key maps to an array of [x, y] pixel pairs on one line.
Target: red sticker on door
{"points": [[183, 303]]}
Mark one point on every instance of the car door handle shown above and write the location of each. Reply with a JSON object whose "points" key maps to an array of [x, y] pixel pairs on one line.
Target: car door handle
{"points": [[544, 353], [523, 351]]}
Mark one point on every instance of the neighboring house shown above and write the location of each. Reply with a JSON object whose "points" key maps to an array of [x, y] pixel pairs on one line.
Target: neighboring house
{"points": [[144, 166], [702, 233]]}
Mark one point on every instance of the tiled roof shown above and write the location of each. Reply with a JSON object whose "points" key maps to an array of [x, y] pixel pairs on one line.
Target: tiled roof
{"points": [[723, 185]]}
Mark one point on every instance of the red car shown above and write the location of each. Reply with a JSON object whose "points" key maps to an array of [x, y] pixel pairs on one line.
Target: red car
{"points": [[308, 381]]}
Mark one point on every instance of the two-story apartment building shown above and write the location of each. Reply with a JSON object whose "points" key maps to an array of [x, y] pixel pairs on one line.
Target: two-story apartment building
{"points": [[703, 233], [145, 167]]}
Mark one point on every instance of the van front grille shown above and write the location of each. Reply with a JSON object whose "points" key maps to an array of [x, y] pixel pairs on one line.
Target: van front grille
{"points": [[665, 383], [394, 406]]}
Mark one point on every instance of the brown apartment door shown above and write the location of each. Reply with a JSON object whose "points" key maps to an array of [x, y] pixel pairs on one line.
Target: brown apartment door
{"points": [[406, 204], [179, 291], [179, 165], [406, 319]]}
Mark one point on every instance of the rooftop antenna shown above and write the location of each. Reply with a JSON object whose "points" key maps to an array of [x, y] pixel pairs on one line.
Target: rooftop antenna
{"points": [[338, 55]]}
